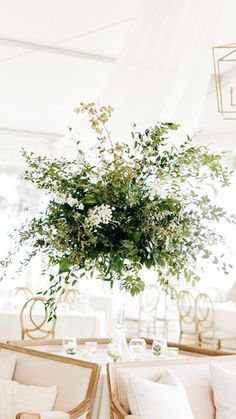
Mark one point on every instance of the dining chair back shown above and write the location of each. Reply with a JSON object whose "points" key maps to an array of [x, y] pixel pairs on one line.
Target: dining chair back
{"points": [[167, 313], [75, 299], [70, 296], [18, 296], [148, 307], [34, 320], [187, 316], [205, 318]]}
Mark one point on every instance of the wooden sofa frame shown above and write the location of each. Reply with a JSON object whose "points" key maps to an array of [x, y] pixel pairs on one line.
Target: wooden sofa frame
{"points": [[84, 407], [116, 409]]}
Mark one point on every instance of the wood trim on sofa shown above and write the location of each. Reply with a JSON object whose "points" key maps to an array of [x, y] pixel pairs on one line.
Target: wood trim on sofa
{"points": [[87, 405]]}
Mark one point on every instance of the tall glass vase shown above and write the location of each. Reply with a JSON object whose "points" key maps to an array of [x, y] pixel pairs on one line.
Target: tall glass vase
{"points": [[120, 330]]}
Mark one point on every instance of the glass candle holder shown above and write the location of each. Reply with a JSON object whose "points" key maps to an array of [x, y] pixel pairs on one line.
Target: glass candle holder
{"points": [[137, 348], [159, 346], [70, 346], [91, 348], [114, 351]]}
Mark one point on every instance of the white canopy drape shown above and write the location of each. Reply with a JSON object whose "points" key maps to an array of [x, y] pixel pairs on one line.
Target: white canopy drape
{"points": [[165, 69]]}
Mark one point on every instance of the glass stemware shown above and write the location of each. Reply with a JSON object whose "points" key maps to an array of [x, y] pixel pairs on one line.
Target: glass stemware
{"points": [[159, 346], [114, 351], [137, 348], [69, 346]]}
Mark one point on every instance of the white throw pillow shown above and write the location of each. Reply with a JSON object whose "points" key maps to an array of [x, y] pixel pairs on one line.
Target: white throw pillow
{"points": [[165, 399], [7, 366], [15, 398], [224, 393]]}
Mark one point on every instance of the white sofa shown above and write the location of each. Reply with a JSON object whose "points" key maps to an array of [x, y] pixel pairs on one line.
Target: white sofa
{"points": [[192, 372], [76, 381]]}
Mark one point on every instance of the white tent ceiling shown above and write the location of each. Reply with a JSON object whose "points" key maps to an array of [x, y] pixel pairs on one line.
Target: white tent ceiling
{"points": [[56, 53]]}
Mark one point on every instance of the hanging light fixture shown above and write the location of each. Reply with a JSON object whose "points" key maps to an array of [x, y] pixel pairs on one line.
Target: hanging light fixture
{"points": [[224, 57]]}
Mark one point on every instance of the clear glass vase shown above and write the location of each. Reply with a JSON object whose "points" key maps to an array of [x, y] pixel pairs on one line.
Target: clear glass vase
{"points": [[119, 332]]}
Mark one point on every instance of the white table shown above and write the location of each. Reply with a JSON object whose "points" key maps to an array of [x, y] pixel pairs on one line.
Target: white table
{"points": [[225, 317], [105, 304], [225, 320], [70, 324]]}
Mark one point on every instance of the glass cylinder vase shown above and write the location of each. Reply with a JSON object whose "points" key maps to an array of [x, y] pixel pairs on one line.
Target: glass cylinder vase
{"points": [[120, 330]]}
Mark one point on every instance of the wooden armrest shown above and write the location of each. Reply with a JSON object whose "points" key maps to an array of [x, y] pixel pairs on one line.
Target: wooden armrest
{"points": [[25, 415]]}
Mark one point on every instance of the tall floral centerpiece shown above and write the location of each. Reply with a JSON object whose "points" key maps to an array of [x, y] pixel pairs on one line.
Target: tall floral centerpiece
{"points": [[143, 204]]}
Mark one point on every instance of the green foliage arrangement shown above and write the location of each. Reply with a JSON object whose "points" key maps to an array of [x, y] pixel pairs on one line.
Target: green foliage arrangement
{"points": [[142, 204]]}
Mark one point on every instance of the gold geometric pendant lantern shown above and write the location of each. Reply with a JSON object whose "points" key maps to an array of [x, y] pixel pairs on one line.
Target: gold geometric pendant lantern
{"points": [[224, 57]]}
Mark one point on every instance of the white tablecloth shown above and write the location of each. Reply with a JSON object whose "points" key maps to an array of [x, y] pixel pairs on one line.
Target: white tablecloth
{"points": [[225, 317], [105, 304], [76, 324]]}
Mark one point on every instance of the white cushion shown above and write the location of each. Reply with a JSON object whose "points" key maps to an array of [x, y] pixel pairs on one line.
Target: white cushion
{"points": [[15, 398], [7, 366], [224, 385], [165, 399]]}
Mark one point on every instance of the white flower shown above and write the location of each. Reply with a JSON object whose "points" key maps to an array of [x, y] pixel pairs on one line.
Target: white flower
{"points": [[71, 201], [101, 214], [158, 189], [81, 206], [59, 197], [67, 200]]}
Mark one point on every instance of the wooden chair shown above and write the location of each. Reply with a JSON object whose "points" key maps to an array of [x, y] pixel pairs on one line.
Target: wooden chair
{"points": [[18, 295], [205, 323], [74, 298], [34, 322], [147, 309], [169, 313], [76, 380], [187, 316]]}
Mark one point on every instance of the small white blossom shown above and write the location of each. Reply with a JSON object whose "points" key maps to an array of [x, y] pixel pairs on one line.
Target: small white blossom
{"points": [[67, 200], [181, 214], [71, 201], [211, 240], [101, 214], [81, 206], [158, 189], [58, 196]]}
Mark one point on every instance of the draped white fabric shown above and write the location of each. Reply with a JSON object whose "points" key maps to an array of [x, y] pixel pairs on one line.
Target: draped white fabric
{"points": [[163, 73], [165, 70]]}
